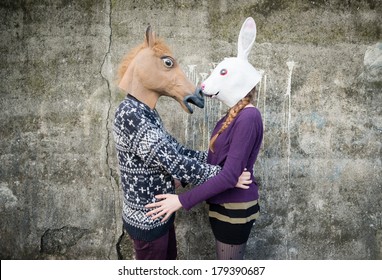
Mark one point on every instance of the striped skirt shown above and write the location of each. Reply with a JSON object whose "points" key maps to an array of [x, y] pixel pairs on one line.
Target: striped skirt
{"points": [[231, 223]]}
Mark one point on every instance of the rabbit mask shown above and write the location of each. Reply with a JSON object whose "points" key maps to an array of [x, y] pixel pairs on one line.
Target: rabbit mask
{"points": [[234, 77]]}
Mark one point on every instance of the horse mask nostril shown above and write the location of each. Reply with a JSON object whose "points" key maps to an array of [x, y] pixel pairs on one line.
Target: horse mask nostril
{"points": [[196, 99]]}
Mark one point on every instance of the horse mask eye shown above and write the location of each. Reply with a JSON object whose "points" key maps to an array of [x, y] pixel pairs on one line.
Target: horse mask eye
{"points": [[168, 62]]}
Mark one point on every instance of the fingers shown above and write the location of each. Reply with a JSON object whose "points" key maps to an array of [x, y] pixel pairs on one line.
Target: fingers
{"points": [[154, 211], [157, 212], [162, 196], [159, 209], [157, 216], [246, 175], [156, 204], [241, 186], [152, 205], [246, 181], [166, 217]]}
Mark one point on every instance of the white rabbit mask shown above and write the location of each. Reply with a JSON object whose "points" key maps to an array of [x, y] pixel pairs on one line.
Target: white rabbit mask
{"points": [[234, 77]]}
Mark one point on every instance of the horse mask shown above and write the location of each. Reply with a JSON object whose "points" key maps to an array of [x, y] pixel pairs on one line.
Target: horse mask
{"points": [[150, 70], [234, 77]]}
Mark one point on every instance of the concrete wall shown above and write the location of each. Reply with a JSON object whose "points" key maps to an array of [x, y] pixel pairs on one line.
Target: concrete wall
{"points": [[320, 167]]}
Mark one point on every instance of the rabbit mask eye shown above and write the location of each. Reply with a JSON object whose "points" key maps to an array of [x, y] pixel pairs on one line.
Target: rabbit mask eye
{"points": [[223, 72]]}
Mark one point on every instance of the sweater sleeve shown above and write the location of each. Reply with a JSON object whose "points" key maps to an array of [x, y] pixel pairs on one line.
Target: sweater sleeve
{"points": [[155, 149], [201, 156], [242, 141]]}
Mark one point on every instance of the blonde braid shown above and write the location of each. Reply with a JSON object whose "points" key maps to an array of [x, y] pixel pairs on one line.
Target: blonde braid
{"points": [[231, 115]]}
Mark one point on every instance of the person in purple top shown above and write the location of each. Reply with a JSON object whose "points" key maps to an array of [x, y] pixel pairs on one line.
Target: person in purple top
{"points": [[235, 145]]}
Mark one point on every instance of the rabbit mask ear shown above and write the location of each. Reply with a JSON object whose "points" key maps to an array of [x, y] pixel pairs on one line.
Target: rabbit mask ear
{"points": [[247, 38]]}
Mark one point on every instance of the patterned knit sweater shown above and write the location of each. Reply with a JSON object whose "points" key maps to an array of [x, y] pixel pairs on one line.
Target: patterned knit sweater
{"points": [[149, 158]]}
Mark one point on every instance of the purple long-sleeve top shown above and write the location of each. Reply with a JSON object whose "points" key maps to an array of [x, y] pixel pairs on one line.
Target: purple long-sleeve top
{"points": [[235, 149]]}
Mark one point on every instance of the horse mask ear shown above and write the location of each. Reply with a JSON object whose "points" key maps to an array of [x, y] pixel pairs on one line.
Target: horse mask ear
{"points": [[247, 38], [150, 37]]}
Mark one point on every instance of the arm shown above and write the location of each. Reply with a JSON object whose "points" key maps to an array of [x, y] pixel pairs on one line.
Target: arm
{"points": [[201, 156], [242, 136], [170, 202], [154, 148]]}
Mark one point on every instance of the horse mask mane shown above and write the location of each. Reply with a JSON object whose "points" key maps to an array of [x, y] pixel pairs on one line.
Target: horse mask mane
{"points": [[151, 69]]}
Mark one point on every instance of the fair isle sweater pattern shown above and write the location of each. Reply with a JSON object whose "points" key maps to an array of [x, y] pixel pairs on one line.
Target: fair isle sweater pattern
{"points": [[149, 158]]}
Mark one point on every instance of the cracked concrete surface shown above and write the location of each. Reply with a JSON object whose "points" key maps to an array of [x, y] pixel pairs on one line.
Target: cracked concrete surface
{"points": [[107, 74], [58, 241], [58, 165]]}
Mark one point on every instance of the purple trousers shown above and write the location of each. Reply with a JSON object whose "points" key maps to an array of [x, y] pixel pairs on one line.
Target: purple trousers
{"points": [[163, 248]]}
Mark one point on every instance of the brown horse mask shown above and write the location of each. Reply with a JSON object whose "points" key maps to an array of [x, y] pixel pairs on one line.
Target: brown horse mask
{"points": [[151, 71]]}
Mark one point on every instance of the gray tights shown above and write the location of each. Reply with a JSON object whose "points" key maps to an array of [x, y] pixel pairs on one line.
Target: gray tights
{"points": [[229, 251]]}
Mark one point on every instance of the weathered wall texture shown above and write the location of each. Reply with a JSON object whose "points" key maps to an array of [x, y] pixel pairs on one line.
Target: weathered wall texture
{"points": [[320, 167]]}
